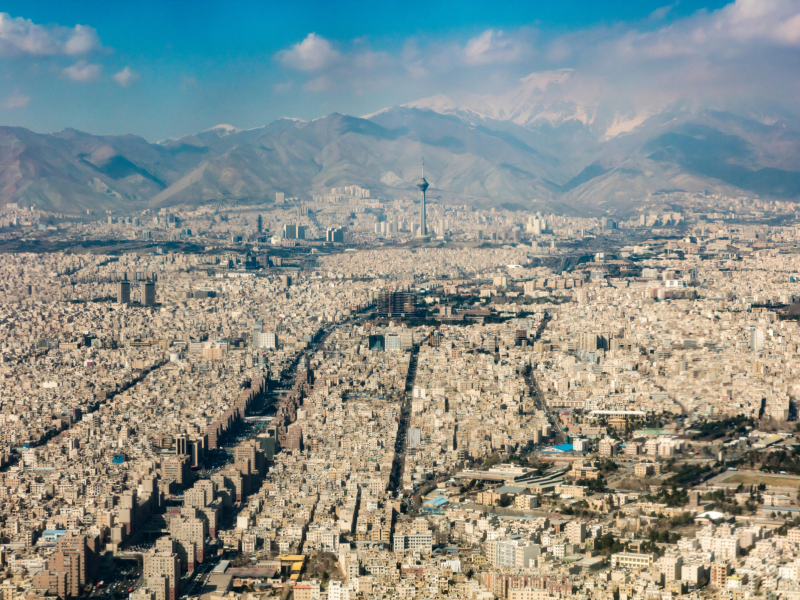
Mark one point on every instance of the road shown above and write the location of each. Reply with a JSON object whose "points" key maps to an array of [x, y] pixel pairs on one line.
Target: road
{"points": [[398, 463], [538, 397], [539, 403]]}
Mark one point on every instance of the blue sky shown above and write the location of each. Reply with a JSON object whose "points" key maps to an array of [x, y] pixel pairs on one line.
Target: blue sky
{"points": [[164, 69]]}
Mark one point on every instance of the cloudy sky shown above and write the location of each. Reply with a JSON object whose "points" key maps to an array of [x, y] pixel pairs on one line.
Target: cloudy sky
{"points": [[164, 69]]}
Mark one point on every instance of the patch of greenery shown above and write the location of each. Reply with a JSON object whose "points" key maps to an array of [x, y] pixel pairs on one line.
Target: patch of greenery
{"points": [[717, 429], [688, 475]]}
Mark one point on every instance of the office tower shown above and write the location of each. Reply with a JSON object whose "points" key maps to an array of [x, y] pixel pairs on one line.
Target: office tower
{"points": [[146, 235], [423, 186], [259, 224], [290, 231], [279, 197], [148, 289], [301, 232], [123, 292]]}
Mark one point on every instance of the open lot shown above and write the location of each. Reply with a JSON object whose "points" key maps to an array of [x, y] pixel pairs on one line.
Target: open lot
{"points": [[768, 479], [734, 478]]}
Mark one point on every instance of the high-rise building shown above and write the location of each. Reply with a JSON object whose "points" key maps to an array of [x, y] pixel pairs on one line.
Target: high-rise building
{"points": [[392, 342], [162, 574], [671, 568], [176, 468], [86, 547], [265, 340], [376, 343], [56, 583], [414, 437], [190, 535], [124, 292], [757, 339], [397, 304], [69, 563], [576, 532], [290, 231], [148, 293], [259, 224], [251, 451], [335, 234]]}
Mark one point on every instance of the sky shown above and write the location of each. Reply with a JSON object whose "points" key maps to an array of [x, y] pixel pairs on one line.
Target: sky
{"points": [[166, 69]]}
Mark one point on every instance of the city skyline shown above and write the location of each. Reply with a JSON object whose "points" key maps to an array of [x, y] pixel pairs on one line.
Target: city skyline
{"points": [[392, 301]]}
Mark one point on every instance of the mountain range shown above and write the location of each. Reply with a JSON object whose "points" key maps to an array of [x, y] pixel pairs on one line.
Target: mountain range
{"points": [[531, 148]]}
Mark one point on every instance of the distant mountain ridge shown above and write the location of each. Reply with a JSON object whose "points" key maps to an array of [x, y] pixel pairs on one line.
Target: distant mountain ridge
{"points": [[530, 148]]}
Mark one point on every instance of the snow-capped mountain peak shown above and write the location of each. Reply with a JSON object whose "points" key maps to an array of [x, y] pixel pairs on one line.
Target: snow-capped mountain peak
{"points": [[224, 129], [536, 99]]}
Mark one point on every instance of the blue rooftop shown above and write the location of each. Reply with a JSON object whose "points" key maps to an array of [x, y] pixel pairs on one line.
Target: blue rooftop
{"points": [[438, 501]]}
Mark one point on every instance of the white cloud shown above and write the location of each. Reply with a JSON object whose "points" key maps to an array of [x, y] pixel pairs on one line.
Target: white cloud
{"points": [[126, 77], [82, 41], [282, 88], [23, 37], [746, 51], [82, 72], [314, 53], [319, 84], [662, 12], [17, 100], [492, 47], [732, 30]]}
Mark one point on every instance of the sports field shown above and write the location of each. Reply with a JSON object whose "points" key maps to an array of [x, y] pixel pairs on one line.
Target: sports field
{"points": [[765, 478]]}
